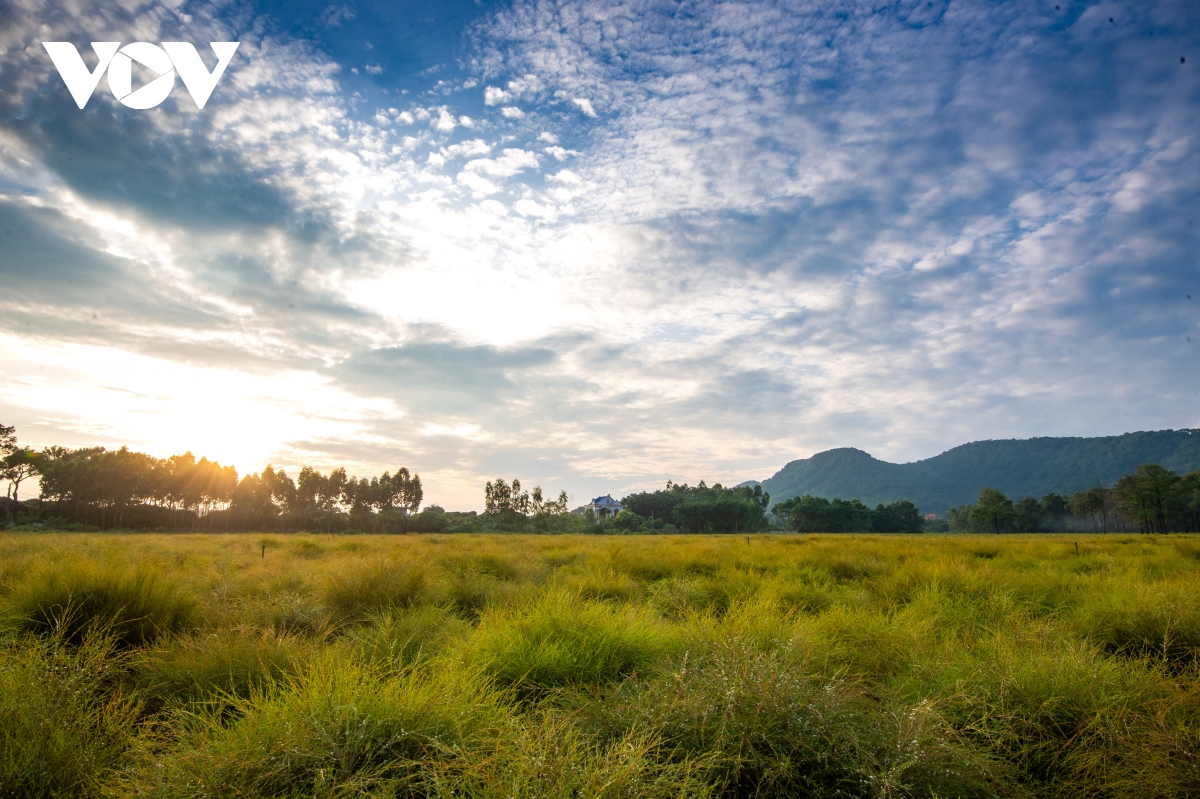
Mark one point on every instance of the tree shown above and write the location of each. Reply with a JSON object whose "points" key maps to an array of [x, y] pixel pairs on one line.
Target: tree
{"points": [[401, 491], [959, 519], [1027, 515], [704, 509], [1189, 493], [501, 497], [16, 465], [1096, 504], [897, 517], [1150, 497], [994, 510]]}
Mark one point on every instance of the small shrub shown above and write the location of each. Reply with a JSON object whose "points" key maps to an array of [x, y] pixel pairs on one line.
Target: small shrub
{"points": [[803, 598], [289, 613], [549, 756], [309, 550], [608, 586], [846, 569]]}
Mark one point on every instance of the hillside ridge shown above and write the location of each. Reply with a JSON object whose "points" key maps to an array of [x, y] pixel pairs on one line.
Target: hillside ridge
{"points": [[1018, 467]]}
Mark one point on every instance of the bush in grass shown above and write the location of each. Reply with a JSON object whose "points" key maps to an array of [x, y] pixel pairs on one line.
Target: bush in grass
{"points": [[286, 614], [558, 639], [134, 605], [213, 667], [64, 725], [339, 728], [307, 549], [366, 587], [677, 597]]}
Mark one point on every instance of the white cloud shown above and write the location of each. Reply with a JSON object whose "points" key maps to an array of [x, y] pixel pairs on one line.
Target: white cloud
{"points": [[584, 105], [512, 112], [494, 95], [445, 121], [560, 153], [467, 148], [511, 162], [477, 185]]}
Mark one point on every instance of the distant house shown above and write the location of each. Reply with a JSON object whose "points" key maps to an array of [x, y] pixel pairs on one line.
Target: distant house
{"points": [[604, 507], [931, 517]]}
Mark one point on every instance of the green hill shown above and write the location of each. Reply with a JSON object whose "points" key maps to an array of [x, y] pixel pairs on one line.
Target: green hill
{"points": [[1019, 467]]}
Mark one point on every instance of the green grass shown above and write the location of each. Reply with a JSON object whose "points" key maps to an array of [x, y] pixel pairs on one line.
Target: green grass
{"points": [[665, 666], [76, 598], [65, 724]]}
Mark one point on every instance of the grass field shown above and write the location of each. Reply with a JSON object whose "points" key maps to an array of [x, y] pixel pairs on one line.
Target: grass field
{"points": [[552, 666]]}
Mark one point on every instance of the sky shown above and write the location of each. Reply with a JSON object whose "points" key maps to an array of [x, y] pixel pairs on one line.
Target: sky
{"points": [[600, 245]]}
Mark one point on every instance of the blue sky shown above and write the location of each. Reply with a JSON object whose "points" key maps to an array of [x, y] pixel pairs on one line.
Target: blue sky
{"points": [[601, 245]]}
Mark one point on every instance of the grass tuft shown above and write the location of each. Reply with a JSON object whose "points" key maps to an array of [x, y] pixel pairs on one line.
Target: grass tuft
{"points": [[367, 587], [77, 598], [558, 639], [339, 728], [65, 725]]}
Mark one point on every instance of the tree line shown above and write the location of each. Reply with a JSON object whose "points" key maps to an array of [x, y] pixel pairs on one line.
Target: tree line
{"points": [[102, 488], [676, 508], [1152, 499], [693, 509], [809, 514], [99, 488]]}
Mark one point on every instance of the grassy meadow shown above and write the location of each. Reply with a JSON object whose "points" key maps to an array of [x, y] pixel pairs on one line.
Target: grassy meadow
{"points": [[555, 666]]}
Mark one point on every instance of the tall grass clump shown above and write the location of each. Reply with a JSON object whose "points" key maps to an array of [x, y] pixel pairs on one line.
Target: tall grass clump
{"points": [[338, 728], [395, 638], [557, 639], [548, 755], [770, 724], [1131, 619], [216, 667], [133, 605], [1060, 711], [65, 725], [365, 587]]}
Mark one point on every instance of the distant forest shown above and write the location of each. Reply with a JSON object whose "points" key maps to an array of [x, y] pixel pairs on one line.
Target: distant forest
{"points": [[96, 488], [1151, 499]]}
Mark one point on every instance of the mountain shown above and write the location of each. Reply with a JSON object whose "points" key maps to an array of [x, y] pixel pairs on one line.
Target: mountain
{"points": [[1019, 467]]}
